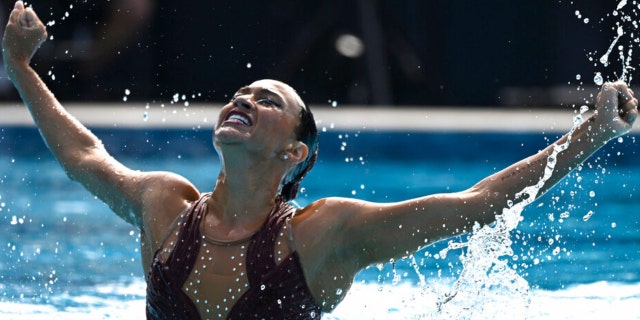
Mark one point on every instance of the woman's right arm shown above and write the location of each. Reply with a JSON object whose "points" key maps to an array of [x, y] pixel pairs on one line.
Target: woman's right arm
{"points": [[77, 149]]}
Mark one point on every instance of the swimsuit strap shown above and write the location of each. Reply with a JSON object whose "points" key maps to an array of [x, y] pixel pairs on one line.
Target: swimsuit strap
{"points": [[165, 298], [188, 242], [260, 253]]}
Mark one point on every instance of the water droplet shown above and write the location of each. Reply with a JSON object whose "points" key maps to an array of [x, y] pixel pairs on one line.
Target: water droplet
{"points": [[598, 77], [621, 4], [338, 291], [578, 76], [577, 119], [584, 108]]}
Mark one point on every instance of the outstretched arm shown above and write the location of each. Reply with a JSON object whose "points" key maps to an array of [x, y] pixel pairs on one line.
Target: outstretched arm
{"points": [[79, 151], [369, 232]]}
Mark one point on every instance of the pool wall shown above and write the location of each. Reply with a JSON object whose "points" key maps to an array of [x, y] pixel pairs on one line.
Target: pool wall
{"points": [[436, 133]]}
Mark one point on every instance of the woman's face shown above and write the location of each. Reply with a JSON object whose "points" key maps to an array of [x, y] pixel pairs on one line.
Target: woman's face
{"points": [[262, 117]]}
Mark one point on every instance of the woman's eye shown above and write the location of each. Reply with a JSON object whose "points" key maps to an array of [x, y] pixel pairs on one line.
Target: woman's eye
{"points": [[269, 102]]}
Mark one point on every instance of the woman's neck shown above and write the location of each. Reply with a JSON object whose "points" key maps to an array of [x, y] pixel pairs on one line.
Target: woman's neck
{"points": [[246, 189]]}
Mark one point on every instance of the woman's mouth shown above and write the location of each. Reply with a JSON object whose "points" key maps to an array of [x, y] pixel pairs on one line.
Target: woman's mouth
{"points": [[238, 117]]}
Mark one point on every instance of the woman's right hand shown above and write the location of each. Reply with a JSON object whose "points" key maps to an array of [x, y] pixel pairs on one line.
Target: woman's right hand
{"points": [[22, 37]]}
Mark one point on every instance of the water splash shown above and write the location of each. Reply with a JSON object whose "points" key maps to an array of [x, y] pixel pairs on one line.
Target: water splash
{"points": [[627, 25], [605, 57], [487, 282]]}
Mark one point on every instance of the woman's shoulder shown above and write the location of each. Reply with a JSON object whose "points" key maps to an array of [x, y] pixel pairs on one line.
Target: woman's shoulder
{"points": [[169, 185]]}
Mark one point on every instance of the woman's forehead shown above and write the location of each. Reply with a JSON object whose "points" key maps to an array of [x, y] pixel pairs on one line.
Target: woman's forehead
{"points": [[279, 87]]}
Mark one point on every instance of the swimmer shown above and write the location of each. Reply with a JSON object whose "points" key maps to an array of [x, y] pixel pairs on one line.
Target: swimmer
{"points": [[241, 251]]}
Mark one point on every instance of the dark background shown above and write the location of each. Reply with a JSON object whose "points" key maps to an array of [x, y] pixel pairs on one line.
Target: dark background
{"points": [[416, 52]]}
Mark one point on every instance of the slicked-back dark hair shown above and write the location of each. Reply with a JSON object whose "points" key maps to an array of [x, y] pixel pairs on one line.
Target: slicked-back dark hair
{"points": [[307, 133]]}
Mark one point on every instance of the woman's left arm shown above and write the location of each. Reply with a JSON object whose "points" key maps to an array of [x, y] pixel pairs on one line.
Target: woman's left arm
{"points": [[374, 232]]}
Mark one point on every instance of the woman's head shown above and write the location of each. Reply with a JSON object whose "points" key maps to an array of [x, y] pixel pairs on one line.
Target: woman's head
{"points": [[269, 118], [305, 132]]}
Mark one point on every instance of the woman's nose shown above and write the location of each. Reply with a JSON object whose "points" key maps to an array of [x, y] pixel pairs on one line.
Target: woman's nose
{"points": [[242, 102]]}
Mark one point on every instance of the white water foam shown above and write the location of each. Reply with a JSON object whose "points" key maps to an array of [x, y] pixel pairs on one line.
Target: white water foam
{"points": [[600, 300]]}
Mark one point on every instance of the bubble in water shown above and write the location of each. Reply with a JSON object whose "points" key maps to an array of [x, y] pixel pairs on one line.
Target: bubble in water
{"points": [[587, 216], [248, 65], [598, 77], [578, 76], [592, 193]]}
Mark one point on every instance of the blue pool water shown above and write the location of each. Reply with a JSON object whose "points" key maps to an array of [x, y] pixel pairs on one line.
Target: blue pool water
{"points": [[63, 254]]}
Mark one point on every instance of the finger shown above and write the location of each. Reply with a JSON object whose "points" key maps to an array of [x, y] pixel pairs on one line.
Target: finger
{"points": [[19, 5], [631, 104], [30, 17], [625, 94], [18, 8]]}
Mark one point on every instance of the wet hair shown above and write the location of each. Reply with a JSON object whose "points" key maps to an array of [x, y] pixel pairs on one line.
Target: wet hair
{"points": [[307, 133]]}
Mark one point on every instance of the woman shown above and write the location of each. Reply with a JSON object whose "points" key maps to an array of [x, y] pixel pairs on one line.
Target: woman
{"points": [[241, 251]]}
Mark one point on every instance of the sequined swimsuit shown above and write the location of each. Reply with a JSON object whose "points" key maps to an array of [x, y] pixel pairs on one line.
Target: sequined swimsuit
{"points": [[275, 291]]}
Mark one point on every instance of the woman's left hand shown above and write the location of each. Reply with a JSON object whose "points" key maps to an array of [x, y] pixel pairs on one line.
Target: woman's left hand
{"points": [[616, 111]]}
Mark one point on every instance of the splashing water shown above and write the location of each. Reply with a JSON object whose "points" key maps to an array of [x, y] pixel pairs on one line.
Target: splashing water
{"points": [[488, 283], [605, 57], [626, 26]]}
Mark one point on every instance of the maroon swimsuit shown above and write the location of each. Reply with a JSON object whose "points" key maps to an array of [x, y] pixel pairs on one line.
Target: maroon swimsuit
{"points": [[275, 291]]}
